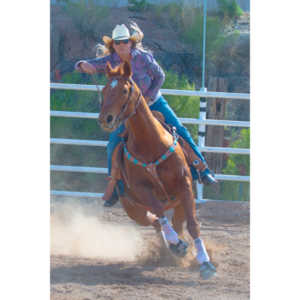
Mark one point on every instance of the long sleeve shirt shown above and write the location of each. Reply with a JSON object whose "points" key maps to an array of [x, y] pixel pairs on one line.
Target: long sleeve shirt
{"points": [[146, 72]]}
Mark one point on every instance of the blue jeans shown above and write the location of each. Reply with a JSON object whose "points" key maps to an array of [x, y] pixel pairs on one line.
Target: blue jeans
{"points": [[162, 106]]}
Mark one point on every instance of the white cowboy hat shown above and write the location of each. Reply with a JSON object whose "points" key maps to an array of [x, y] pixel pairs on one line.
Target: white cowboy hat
{"points": [[121, 32]]}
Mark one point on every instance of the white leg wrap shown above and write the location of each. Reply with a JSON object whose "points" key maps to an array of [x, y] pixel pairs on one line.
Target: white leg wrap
{"points": [[202, 255], [169, 232]]}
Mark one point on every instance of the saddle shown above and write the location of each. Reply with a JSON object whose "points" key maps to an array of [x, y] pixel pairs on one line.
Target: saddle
{"points": [[118, 174]]}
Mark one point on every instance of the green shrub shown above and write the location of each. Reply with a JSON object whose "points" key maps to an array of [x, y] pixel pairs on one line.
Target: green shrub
{"points": [[168, 15], [228, 190], [183, 106], [71, 100], [187, 21], [229, 10], [76, 128], [225, 46], [238, 164], [137, 5], [193, 34]]}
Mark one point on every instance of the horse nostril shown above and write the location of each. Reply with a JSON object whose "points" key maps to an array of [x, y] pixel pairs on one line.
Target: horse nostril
{"points": [[109, 119]]}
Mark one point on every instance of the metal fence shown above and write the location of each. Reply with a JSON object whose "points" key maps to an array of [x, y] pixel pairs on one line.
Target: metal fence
{"points": [[202, 121]]}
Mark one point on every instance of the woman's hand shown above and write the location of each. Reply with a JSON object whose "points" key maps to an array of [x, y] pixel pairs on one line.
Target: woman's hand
{"points": [[87, 68]]}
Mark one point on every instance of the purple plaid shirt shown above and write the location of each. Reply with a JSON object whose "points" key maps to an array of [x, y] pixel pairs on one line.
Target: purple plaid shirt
{"points": [[147, 73]]}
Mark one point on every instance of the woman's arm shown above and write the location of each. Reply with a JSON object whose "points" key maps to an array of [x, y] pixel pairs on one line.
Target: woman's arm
{"points": [[92, 66], [155, 72]]}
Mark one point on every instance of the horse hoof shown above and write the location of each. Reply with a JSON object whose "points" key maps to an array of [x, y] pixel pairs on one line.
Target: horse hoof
{"points": [[207, 270], [180, 249]]}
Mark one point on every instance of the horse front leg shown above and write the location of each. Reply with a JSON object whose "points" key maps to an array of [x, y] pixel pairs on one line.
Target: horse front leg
{"points": [[168, 234], [145, 195], [178, 219], [139, 214]]}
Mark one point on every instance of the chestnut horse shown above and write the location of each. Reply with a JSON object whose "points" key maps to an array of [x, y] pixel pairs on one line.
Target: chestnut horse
{"points": [[152, 163]]}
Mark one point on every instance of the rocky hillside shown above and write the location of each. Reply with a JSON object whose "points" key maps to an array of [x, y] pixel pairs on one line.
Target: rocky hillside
{"points": [[68, 44]]}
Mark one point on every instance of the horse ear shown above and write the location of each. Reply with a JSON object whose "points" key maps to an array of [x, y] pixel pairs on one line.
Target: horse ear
{"points": [[127, 69], [108, 69]]}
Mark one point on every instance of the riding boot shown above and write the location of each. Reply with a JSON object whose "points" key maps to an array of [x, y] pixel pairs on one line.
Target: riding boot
{"points": [[110, 196], [115, 186], [205, 175], [199, 168]]}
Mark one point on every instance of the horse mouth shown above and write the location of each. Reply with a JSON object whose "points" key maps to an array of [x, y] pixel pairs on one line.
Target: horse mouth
{"points": [[109, 127]]}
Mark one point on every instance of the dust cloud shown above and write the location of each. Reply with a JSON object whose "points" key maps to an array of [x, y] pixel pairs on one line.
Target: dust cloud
{"points": [[78, 230]]}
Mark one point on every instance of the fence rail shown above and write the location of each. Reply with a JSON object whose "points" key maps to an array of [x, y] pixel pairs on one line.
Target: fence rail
{"points": [[104, 144], [93, 88], [85, 115], [199, 122], [82, 169]]}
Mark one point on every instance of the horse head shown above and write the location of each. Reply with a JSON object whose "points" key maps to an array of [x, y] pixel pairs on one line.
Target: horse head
{"points": [[120, 97]]}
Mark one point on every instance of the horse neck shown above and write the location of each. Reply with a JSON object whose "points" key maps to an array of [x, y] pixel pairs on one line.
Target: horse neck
{"points": [[146, 135]]}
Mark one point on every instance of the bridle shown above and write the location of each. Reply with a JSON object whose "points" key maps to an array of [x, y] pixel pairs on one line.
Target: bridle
{"points": [[120, 117]]}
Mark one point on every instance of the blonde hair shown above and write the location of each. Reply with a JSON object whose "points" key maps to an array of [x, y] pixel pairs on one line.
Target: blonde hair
{"points": [[136, 39]]}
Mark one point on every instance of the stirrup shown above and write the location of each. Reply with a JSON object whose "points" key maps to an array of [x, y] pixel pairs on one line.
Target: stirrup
{"points": [[207, 177], [203, 174]]}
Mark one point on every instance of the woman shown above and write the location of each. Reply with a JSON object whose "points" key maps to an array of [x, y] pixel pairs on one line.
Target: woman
{"points": [[149, 77]]}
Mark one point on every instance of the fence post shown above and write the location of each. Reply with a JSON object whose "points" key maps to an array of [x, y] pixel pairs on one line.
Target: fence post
{"points": [[203, 103], [201, 139]]}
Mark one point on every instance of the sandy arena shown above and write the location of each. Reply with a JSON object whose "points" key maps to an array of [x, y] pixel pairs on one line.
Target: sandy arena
{"points": [[99, 253]]}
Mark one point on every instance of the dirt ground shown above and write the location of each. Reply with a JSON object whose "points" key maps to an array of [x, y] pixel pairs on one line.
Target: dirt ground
{"points": [[134, 265]]}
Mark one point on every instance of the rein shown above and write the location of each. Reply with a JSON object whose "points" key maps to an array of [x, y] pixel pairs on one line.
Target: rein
{"points": [[98, 89]]}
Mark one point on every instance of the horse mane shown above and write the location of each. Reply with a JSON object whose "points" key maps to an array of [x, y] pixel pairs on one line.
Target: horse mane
{"points": [[116, 71]]}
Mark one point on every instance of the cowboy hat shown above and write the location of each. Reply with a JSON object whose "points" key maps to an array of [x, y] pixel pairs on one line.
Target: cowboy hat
{"points": [[121, 32]]}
